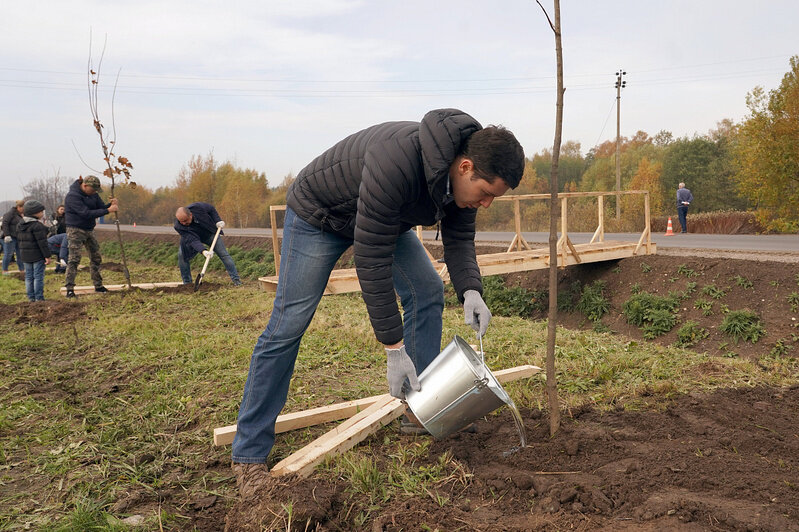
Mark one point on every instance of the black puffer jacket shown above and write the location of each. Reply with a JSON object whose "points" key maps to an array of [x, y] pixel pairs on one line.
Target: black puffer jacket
{"points": [[32, 237], [382, 181], [11, 220], [82, 210]]}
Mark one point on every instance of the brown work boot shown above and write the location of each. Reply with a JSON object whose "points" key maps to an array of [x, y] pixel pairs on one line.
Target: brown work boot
{"points": [[250, 478]]}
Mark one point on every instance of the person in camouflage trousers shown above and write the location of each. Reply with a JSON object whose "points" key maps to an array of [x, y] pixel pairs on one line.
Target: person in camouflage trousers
{"points": [[82, 208]]}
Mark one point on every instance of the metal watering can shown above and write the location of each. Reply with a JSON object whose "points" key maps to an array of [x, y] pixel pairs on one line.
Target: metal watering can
{"points": [[457, 388]]}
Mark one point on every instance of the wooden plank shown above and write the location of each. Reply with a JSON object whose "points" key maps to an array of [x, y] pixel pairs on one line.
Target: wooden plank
{"points": [[305, 418], [345, 425], [118, 287], [568, 195], [334, 412], [359, 427], [573, 250], [316, 451], [513, 242], [599, 234]]}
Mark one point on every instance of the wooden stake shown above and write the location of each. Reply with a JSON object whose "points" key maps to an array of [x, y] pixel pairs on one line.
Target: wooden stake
{"points": [[334, 412]]}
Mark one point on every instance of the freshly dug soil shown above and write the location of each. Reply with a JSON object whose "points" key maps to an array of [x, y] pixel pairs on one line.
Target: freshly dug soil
{"points": [[49, 312], [722, 461]]}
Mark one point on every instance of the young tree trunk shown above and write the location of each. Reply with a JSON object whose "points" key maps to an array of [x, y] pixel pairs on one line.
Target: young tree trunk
{"points": [[554, 213], [125, 270]]}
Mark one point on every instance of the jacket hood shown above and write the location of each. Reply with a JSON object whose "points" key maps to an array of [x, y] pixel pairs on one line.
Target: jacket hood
{"points": [[75, 187], [29, 219], [442, 133]]}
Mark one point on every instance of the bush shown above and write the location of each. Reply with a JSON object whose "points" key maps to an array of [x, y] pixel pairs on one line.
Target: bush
{"points": [[689, 334], [636, 308], [511, 301], [567, 299], [593, 302], [658, 322], [743, 325]]}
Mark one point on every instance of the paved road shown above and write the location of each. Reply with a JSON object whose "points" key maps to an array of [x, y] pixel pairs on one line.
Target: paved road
{"points": [[767, 243]]}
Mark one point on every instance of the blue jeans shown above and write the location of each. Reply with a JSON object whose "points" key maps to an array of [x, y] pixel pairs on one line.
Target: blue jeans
{"points": [[9, 248], [682, 213], [34, 280], [219, 249], [58, 246], [308, 255]]}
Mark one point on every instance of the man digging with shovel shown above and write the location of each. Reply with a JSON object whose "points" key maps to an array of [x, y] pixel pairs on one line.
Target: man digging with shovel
{"points": [[197, 226], [368, 191]]}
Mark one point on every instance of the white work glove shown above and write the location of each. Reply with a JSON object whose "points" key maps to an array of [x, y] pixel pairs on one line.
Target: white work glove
{"points": [[220, 224], [476, 312], [207, 253], [399, 366], [63, 263], [7, 238]]}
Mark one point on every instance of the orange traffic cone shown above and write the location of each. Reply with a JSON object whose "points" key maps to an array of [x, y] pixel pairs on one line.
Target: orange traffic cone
{"points": [[134, 223], [669, 231]]}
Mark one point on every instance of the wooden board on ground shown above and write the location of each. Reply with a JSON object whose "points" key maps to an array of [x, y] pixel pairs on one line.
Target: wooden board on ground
{"points": [[118, 287], [341, 438], [334, 412], [359, 427], [305, 418], [349, 433], [346, 280]]}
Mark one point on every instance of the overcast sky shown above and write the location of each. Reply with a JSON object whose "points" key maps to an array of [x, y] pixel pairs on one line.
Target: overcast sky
{"points": [[269, 85]]}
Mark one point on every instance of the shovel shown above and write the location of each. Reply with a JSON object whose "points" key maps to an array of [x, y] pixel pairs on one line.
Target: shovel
{"points": [[200, 275]]}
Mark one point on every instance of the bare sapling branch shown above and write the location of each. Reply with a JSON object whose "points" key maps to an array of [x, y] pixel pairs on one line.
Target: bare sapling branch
{"points": [[116, 165]]}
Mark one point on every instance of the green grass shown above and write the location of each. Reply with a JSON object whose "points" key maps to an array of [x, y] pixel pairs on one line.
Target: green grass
{"points": [[251, 264], [125, 402]]}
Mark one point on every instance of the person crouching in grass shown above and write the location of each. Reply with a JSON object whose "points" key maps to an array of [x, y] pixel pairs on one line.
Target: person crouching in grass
{"points": [[33, 249]]}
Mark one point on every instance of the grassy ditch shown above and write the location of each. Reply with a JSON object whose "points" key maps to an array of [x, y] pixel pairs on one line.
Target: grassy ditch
{"points": [[111, 416], [250, 263]]}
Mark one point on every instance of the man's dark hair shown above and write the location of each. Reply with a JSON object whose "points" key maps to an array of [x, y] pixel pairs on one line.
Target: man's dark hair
{"points": [[495, 152]]}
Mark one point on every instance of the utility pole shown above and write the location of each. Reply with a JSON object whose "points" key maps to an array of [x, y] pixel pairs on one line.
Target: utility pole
{"points": [[619, 86]]}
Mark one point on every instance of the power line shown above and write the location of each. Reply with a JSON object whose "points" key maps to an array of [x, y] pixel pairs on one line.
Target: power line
{"points": [[330, 93], [612, 106], [400, 81]]}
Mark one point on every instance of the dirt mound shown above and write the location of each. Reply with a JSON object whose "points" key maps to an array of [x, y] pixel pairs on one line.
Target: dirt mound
{"points": [[49, 312], [764, 287], [721, 461]]}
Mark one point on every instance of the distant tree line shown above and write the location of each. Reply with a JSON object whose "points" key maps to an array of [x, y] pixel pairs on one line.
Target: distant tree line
{"points": [[753, 165]]}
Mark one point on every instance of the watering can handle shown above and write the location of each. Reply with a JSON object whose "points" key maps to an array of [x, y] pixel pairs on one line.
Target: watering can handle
{"points": [[482, 354]]}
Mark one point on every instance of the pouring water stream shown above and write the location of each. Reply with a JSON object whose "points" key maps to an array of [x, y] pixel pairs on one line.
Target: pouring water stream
{"points": [[517, 418]]}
